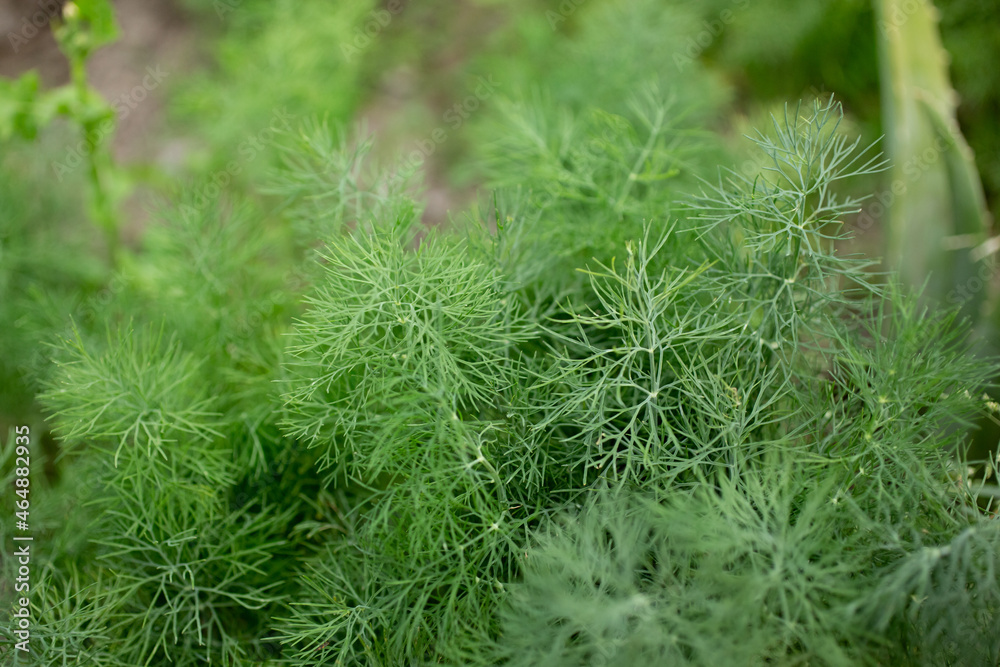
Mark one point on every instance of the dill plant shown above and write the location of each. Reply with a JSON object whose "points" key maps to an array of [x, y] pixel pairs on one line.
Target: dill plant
{"points": [[771, 444], [696, 435], [737, 417]]}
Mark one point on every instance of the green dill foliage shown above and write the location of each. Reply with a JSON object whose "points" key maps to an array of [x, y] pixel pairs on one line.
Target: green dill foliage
{"points": [[722, 448], [175, 557], [400, 373], [695, 435], [799, 420], [598, 176], [329, 182], [949, 597], [136, 394], [37, 285], [296, 51], [738, 571]]}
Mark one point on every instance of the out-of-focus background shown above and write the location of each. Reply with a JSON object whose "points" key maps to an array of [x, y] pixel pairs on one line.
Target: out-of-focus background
{"points": [[401, 65]]}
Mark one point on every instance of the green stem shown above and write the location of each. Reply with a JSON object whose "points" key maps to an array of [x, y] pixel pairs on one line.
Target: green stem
{"points": [[99, 162]]}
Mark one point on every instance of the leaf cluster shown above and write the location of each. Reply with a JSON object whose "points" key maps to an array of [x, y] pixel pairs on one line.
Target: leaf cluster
{"points": [[715, 441]]}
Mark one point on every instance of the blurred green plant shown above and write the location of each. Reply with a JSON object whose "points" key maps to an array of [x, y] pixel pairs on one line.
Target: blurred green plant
{"points": [[938, 219], [85, 26], [967, 35], [48, 266], [268, 57]]}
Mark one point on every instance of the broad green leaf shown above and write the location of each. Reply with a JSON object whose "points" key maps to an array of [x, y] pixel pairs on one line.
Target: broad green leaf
{"points": [[937, 212]]}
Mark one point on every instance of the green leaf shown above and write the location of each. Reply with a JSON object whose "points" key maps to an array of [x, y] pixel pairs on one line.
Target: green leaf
{"points": [[100, 16], [18, 111]]}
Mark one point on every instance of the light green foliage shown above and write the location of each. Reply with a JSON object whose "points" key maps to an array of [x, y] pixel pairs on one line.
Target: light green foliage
{"points": [[791, 442], [390, 322], [612, 42], [777, 230], [177, 550], [99, 17], [940, 216], [137, 394], [222, 276], [585, 121], [328, 181], [586, 182], [400, 372], [36, 285], [272, 58], [71, 166]]}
